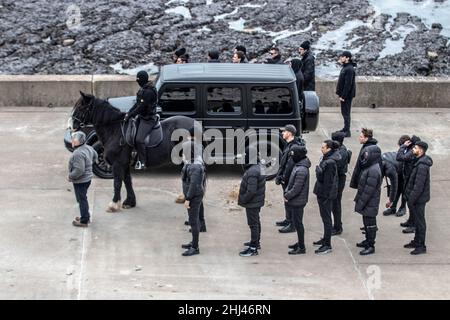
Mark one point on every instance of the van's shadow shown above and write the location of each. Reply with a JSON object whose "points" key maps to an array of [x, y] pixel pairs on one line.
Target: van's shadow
{"points": [[213, 171]]}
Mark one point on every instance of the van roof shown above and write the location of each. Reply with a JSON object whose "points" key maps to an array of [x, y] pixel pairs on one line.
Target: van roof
{"points": [[227, 72]]}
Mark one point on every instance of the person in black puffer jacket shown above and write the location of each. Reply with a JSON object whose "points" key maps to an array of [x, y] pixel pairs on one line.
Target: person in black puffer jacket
{"points": [[325, 189], [296, 195], [194, 180], [252, 193], [390, 170], [367, 199], [418, 194], [285, 169], [406, 156], [342, 168], [366, 139], [392, 157]]}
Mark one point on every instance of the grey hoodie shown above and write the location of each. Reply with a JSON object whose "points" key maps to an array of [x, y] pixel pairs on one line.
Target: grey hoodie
{"points": [[80, 164]]}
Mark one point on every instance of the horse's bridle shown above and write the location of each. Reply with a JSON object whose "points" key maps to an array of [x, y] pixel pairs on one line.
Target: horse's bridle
{"points": [[86, 115]]}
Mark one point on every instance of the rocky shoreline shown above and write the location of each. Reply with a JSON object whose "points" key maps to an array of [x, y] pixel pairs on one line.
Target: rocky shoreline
{"points": [[107, 37]]}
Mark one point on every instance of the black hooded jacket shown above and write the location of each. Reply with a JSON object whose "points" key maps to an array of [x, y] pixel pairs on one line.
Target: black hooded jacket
{"points": [[296, 65], [275, 60], [326, 186], [298, 187], [252, 190], [145, 105], [406, 156], [367, 199], [309, 71], [418, 186], [346, 86], [357, 170], [286, 162]]}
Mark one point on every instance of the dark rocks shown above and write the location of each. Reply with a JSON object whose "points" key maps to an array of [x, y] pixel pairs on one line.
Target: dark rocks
{"points": [[36, 37]]}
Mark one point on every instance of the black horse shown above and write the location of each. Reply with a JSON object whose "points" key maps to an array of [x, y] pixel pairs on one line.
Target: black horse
{"points": [[108, 124]]}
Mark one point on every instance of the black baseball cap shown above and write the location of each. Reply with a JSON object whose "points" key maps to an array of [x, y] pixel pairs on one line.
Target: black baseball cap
{"points": [[346, 53], [289, 128]]}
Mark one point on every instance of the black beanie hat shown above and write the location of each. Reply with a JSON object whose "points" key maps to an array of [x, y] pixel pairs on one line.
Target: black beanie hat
{"points": [[338, 136], [298, 153], [306, 45], [423, 145], [180, 52]]}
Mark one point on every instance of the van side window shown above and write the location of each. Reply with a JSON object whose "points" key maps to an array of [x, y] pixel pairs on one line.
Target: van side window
{"points": [[178, 100], [224, 100], [271, 100]]}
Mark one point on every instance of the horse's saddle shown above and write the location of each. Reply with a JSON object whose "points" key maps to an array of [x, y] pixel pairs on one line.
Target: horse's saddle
{"points": [[151, 129]]}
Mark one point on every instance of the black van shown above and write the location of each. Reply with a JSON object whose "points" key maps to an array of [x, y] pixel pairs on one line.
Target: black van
{"points": [[231, 96]]}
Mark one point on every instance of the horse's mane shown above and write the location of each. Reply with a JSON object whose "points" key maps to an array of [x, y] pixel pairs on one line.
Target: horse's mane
{"points": [[105, 112]]}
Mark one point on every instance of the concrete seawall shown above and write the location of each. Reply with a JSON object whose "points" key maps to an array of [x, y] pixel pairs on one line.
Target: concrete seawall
{"points": [[63, 90]]}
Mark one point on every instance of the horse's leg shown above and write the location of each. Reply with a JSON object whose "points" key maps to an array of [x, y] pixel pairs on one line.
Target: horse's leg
{"points": [[115, 205], [130, 201]]}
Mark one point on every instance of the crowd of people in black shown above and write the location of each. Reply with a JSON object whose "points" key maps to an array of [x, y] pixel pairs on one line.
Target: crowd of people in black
{"points": [[407, 171]]}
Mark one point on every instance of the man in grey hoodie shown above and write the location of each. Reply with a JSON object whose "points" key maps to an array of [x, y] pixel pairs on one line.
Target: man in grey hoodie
{"points": [[80, 174]]}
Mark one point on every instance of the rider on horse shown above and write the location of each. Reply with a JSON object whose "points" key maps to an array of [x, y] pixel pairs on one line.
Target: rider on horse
{"points": [[145, 107]]}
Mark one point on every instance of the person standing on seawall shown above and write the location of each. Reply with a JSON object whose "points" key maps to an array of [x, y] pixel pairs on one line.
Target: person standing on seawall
{"points": [[346, 88]]}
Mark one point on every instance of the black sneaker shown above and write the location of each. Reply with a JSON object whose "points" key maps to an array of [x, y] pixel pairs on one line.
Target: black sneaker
{"points": [[187, 245], [249, 252], [362, 244], [336, 232], [324, 250], [293, 246], [401, 212], [362, 228], [419, 250], [411, 245], [405, 224], [283, 223], [186, 223], [318, 243], [409, 230], [248, 244], [191, 251], [287, 229], [367, 251], [297, 251], [389, 212]]}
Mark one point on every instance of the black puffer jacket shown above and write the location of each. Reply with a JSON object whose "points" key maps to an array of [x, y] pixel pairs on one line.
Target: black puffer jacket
{"points": [[367, 199], [309, 72], [357, 170], [346, 86], [275, 60], [418, 186], [194, 180], [298, 187], [390, 169], [326, 186], [286, 162], [252, 191]]}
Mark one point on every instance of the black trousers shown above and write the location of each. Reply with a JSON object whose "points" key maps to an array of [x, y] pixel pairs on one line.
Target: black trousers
{"points": [[411, 219], [286, 211], [194, 219], [420, 223], [325, 213], [346, 107], [254, 223], [81, 196], [337, 204], [297, 219], [144, 128], [400, 194], [370, 226]]}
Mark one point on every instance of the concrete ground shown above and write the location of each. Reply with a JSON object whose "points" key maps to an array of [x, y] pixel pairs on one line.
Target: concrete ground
{"points": [[136, 254]]}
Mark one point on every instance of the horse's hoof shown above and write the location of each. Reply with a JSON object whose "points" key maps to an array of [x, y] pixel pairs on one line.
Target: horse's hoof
{"points": [[113, 206]]}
